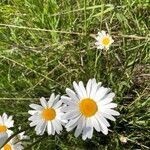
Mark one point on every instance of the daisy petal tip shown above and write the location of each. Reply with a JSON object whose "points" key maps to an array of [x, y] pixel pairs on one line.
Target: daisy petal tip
{"points": [[118, 114], [42, 98]]}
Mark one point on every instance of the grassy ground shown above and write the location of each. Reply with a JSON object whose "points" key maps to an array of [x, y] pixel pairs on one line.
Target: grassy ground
{"points": [[46, 45]]}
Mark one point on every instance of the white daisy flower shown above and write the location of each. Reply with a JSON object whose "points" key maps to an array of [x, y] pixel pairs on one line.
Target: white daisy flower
{"points": [[5, 123], [47, 116], [104, 40], [88, 108], [13, 145]]}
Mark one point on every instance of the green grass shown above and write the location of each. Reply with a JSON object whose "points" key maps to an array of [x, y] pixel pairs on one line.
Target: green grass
{"points": [[46, 45]]}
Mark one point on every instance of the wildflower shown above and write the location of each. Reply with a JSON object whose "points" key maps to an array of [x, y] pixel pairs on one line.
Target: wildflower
{"points": [[15, 143], [12, 145], [5, 123], [88, 108], [104, 40], [48, 116]]}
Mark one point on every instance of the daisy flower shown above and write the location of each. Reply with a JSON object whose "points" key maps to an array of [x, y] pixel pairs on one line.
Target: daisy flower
{"points": [[47, 116], [88, 108], [12, 145], [104, 40], [5, 123], [15, 143]]}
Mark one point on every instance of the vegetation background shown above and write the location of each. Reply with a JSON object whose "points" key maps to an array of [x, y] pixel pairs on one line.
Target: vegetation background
{"points": [[47, 44]]}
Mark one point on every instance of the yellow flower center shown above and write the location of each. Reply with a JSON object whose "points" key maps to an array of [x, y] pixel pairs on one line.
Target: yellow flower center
{"points": [[7, 147], [88, 107], [48, 114], [106, 41], [3, 128]]}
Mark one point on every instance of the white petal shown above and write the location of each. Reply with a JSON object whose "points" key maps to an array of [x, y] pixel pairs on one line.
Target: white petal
{"points": [[72, 95], [57, 105], [71, 115], [32, 112], [73, 121], [68, 108], [112, 41], [57, 126], [43, 128], [35, 120], [71, 127], [36, 107], [54, 129], [91, 129], [111, 112], [39, 127], [99, 84], [108, 116], [87, 130], [35, 116], [101, 93], [9, 122], [17, 146], [109, 97], [100, 47], [9, 132], [103, 33], [32, 124], [49, 128], [110, 105], [88, 88], [107, 47], [4, 116], [102, 119], [59, 116], [43, 102], [77, 89], [99, 33], [96, 124], [51, 100], [57, 98], [82, 88], [103, 126], [93, 90], [97, 43], [68, 100], [81, 124]]}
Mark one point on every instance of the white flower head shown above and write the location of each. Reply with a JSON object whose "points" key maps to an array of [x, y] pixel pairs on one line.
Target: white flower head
{"points": [[6, 122], [88, 108], [104, 40], [47, 116], [13, 145]]}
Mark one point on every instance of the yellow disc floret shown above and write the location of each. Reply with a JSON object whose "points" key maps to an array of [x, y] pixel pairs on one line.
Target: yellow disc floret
{"points": [[48, 114], [106, 41], [3, 128], [7, 147], [88, 107]]}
